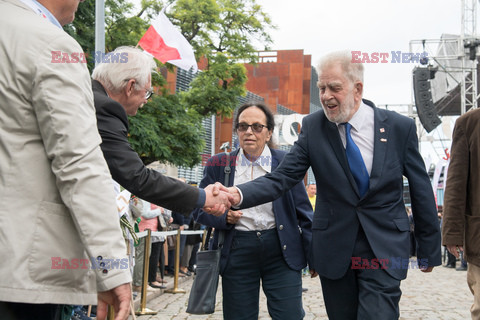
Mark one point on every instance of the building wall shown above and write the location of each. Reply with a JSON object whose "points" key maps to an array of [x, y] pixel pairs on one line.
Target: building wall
{"points": [[282, 77]]}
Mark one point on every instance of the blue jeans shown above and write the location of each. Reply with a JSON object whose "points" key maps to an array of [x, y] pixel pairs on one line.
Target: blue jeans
{"points": [[256, 256]]}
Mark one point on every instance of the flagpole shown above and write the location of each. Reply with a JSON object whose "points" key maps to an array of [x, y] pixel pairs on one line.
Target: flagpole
{"points": [[99, 29]]}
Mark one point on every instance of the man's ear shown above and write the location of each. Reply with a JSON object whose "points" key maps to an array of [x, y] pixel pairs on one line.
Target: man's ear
{"points": [[358, 89], [130, 87]]}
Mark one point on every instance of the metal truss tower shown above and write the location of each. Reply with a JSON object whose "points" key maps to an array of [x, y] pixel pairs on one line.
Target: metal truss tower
{"points": [[456, 56], [470, 42]]}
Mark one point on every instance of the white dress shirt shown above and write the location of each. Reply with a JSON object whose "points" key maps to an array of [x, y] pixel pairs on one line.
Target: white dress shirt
{"points": [[260, 217]]}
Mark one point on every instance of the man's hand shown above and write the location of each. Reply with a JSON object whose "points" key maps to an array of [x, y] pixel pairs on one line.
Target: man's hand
{"points": [[119, 297], [233, 216], [313, 273], [218, 199], [455, 250], [235, 194]]}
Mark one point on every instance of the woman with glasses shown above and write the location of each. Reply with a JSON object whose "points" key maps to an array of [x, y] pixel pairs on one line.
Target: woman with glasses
{"points": [[267, 244]]}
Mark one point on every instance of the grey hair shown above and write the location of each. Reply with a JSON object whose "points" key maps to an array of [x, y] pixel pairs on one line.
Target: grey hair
{"points": [[353, 70], [123, 64]]}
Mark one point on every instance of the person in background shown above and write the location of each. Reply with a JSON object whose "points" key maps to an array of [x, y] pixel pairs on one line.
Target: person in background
{"points": [[150, 215], [59, 223], [312, 194], [359, 155], [167, 220], [180, 222], [120, 89], [461, 208], [267, 245]]}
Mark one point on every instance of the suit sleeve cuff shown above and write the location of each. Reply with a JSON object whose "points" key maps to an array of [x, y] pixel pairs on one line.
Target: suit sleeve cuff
{"points": [[201, 199], [237, 206]]}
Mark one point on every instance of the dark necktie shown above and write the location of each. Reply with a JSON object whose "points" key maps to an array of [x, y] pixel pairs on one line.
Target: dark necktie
{"points": [[355, 161]]}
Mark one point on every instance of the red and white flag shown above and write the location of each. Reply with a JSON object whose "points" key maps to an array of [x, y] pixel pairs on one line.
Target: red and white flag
{"points": [[163, 41]]}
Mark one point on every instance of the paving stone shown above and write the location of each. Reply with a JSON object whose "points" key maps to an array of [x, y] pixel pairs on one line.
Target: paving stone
{"points": [[441, 294]]}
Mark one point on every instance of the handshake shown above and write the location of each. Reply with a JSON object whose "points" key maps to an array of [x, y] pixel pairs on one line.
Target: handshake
{"points": [[220, 198]]}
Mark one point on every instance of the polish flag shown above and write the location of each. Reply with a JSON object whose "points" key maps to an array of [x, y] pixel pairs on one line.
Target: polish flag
{"points": [[163, 41]]}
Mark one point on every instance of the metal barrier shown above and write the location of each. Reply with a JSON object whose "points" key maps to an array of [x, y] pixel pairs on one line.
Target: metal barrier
{"points": [[143, 300], [148, 234]]}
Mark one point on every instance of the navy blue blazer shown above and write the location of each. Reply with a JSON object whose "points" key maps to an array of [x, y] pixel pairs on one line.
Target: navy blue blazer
{"points": [[339, 210], [293, 214]]}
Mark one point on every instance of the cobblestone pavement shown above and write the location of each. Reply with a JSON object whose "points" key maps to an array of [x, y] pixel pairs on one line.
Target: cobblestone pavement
{"points": [[440, 295]]}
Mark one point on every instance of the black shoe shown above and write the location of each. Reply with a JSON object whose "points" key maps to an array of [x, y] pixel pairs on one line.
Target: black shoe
{"points": [[304, 289], [461, 268], [188, 273], [449, 266], [153, 285]]}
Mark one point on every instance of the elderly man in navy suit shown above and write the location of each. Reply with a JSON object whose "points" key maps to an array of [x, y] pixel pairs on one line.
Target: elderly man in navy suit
{"points": [[359, 155]]}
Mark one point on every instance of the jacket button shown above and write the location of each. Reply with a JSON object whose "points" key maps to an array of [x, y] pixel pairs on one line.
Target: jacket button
{"points": [[104, 271], [99, 258], [280, 227], [284, 247]]}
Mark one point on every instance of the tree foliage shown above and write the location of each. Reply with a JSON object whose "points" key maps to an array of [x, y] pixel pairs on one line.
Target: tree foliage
{"points": [[168, 128]]}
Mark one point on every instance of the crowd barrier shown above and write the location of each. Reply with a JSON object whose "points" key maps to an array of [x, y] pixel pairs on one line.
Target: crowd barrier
{"points": [[148, 234]]}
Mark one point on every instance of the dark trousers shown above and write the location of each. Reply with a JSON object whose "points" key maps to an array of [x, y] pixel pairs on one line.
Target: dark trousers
{"points": [[171, 254], [362, 294], [157, 252], [193, 257], [257, 257], [451, 260], [29, 311]]}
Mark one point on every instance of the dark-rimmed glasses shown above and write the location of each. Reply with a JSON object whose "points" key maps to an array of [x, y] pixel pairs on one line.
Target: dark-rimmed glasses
{"points": [[256, 127], [148, 93]]}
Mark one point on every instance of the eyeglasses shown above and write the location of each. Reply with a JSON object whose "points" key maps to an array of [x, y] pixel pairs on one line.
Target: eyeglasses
{"points": [[256, 127], [148, 93]]}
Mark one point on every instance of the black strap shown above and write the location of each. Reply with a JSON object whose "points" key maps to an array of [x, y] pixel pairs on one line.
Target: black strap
{"points": [[227, 170]]}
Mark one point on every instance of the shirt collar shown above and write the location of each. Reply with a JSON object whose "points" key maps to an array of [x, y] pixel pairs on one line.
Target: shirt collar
{"points": [[42, 11], [358, 118], [264, 161]]}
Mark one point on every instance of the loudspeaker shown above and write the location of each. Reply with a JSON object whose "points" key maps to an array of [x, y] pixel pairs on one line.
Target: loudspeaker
{"points": [[423, 98]]}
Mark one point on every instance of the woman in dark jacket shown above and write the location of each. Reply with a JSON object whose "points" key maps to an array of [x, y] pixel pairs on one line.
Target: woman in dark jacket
{"points": [[267, 244]]}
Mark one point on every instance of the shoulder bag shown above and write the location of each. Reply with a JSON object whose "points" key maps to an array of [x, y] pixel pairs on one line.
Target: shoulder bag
{"points": [[204, 288]]}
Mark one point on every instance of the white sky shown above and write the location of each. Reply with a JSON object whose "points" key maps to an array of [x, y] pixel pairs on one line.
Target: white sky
{"points": [[320, 27]]}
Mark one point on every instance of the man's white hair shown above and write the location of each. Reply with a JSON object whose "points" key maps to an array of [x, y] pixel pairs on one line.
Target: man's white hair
{"points": [[130, 63], [353, 70]]}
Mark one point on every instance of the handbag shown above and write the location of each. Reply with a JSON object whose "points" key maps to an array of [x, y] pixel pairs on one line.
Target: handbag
{"points": [[204, 288]]}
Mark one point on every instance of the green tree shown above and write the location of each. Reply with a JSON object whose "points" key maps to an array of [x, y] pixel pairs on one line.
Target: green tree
{"points": [[168, 128]]}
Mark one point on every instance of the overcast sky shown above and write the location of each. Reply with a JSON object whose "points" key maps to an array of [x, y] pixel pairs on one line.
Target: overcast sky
{"points": [[319, 27]]}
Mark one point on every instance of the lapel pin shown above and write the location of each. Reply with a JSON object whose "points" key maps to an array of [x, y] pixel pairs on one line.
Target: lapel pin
{"points": [[382, 130], [383, 140]]}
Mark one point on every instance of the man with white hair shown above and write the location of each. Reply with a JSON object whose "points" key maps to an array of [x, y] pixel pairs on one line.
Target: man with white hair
{"points": [[120, 88], [359, 155]]}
